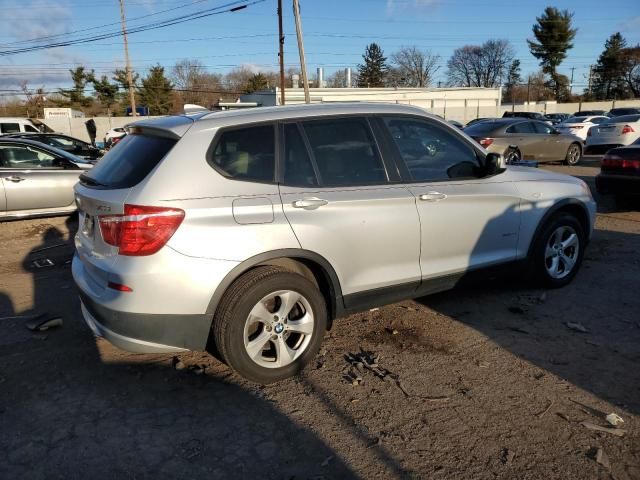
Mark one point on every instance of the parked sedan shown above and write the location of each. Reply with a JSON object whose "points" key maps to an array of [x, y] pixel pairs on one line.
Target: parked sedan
{"points": [[618, 112], [36, 179], [616, 132], [579, 126], [521, 139], [69, 144], [620, 171]]}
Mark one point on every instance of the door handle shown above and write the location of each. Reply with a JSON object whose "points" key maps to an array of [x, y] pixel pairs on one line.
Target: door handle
{"points": [[432, 196], [14, 179], [309, 203]]}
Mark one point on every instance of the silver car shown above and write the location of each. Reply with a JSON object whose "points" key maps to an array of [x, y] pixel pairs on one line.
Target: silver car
{"points": [[36, 179], [247, 233]]}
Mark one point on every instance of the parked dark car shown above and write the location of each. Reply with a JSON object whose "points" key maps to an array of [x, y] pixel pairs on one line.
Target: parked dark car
{"points": [[529, 115], [556, 118], [617, 112], [589, 113], [620, 171], [476, 120], [69, 144]]}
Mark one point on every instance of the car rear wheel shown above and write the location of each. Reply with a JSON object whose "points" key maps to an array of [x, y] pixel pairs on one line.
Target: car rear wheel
{"points": [[574, 153], [558, 251], [269, 324], [512, 155]]}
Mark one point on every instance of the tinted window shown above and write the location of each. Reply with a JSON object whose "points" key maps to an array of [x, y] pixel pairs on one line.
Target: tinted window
{"points": [[345, 152], [430, 152], [623, 119], [29, 128], [246, 153], [542, 128], [298, 169], [524, 127], [125, 165], [576, 120], [481, 129], [9, 127], [599, 120], [18, 156]]}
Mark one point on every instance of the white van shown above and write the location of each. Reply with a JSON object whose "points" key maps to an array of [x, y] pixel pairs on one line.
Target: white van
{"points": [[17, 125]]}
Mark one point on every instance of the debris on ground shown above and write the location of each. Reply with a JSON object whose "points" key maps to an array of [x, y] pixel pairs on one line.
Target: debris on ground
{"points": [[177, 364], [483, 364], [543, 413], [391, 331], [327, 461], [42, 263], [618, 432], [43, 322], [614, 419], [576, 327], [507, 456], [599, 455]]}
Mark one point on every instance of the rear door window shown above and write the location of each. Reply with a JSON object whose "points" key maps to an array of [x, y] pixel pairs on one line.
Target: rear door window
{"points": [[246, 153], [26, 157], [298, 169], [345, 152], [9, 128], [129, 162], [522, 127], [542, 128]]}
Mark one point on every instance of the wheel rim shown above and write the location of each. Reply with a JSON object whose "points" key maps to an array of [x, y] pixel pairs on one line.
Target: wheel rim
{"points": [[513, 156], [278, 329], [574, 154], [561, 253]]}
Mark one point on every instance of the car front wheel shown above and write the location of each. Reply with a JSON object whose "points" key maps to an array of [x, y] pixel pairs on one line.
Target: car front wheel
{"points": [[558, 251], [574, 153], [270, 324]]}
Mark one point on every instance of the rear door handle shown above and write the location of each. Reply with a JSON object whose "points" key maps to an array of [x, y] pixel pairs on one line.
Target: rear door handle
{"points": [[14, 179], [309, 203], [432, 196]]}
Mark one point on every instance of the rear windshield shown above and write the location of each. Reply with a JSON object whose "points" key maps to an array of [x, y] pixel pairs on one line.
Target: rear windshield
{"points": [[128, 162], [480, 129], [623, 119]]}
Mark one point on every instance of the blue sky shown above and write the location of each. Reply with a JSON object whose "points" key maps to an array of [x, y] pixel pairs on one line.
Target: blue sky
{"points": [[336, 33]]}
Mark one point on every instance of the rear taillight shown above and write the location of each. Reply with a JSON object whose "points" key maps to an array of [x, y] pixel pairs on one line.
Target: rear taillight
{"points": [[485, 142], [615, 161], [627, 129], [140, 230]]}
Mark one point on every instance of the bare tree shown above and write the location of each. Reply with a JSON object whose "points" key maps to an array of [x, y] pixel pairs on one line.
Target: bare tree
{"points": [[34, 100], [483, 65], [194, 84], [414, 67]]}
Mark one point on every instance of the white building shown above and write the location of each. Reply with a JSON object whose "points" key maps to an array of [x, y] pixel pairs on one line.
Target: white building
{"points": [[50, 113], [461, 104]]}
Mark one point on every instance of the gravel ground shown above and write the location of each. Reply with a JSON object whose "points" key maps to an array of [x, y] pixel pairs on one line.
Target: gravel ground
{"points": [[486, 381]]}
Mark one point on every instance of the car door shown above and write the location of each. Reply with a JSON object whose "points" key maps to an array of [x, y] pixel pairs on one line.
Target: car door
{"points": [[523, 135], [468, 220], [342, 203], [550, 145], [34, 179]]}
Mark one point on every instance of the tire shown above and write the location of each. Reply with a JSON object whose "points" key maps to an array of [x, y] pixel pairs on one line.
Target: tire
{"points": [[574, 154], [512, 155], [256, 338], [545, 254]]}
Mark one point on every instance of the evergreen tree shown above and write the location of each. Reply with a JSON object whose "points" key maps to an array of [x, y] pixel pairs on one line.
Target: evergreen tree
{"points": [[513, 80], [609, 81], [256, 83], [155, 92], [554, 37], [372, 72], [105, 91], [75, 95], [120, 77]]}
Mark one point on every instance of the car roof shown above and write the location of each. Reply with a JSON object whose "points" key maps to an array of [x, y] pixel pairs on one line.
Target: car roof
{"points": [[179, 124]]}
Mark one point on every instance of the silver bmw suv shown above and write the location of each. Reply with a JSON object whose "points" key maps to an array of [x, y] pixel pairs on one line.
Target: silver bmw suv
{"points": [[247, 233]]}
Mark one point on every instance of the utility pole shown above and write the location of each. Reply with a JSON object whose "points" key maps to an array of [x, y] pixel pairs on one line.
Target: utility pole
{"points": [[590, 73], [281, 53], [528, 91], [305, 83], [571, 83], [132, 98]]}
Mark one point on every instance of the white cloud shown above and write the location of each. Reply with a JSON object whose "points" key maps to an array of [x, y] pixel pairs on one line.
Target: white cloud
{"points": [[400, 5], [630, 25], [37, 19]]}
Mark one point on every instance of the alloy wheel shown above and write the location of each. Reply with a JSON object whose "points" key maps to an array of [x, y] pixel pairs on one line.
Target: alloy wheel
{"points": [[561, 252]]}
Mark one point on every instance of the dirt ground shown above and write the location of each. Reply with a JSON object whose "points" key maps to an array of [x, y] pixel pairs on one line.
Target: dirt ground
{"points": [[487, 381]]}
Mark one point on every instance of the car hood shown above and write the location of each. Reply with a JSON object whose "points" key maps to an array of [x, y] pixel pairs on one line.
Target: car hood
{"points": [[529, 174]]}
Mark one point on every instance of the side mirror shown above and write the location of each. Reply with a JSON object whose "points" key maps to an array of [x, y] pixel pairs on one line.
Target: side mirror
{"points": [[494, 164]]}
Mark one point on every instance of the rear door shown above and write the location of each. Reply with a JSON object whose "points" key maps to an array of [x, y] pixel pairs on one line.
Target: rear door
{"points": [[467, 220], [550, 145], [344, 203], [524, 136], [34, 179]]}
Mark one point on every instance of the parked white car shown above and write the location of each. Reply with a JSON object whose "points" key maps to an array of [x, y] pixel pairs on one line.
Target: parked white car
{"points": [[616, 132], [17, 125], [579, 126], [116, 132]]}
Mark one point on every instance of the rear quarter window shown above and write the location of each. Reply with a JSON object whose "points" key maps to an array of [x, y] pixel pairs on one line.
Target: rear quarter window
{"points": [[129, 162]]}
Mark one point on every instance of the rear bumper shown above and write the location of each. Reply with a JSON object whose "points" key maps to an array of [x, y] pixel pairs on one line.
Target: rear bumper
{"points": [[144, 333], [618, 184]]}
